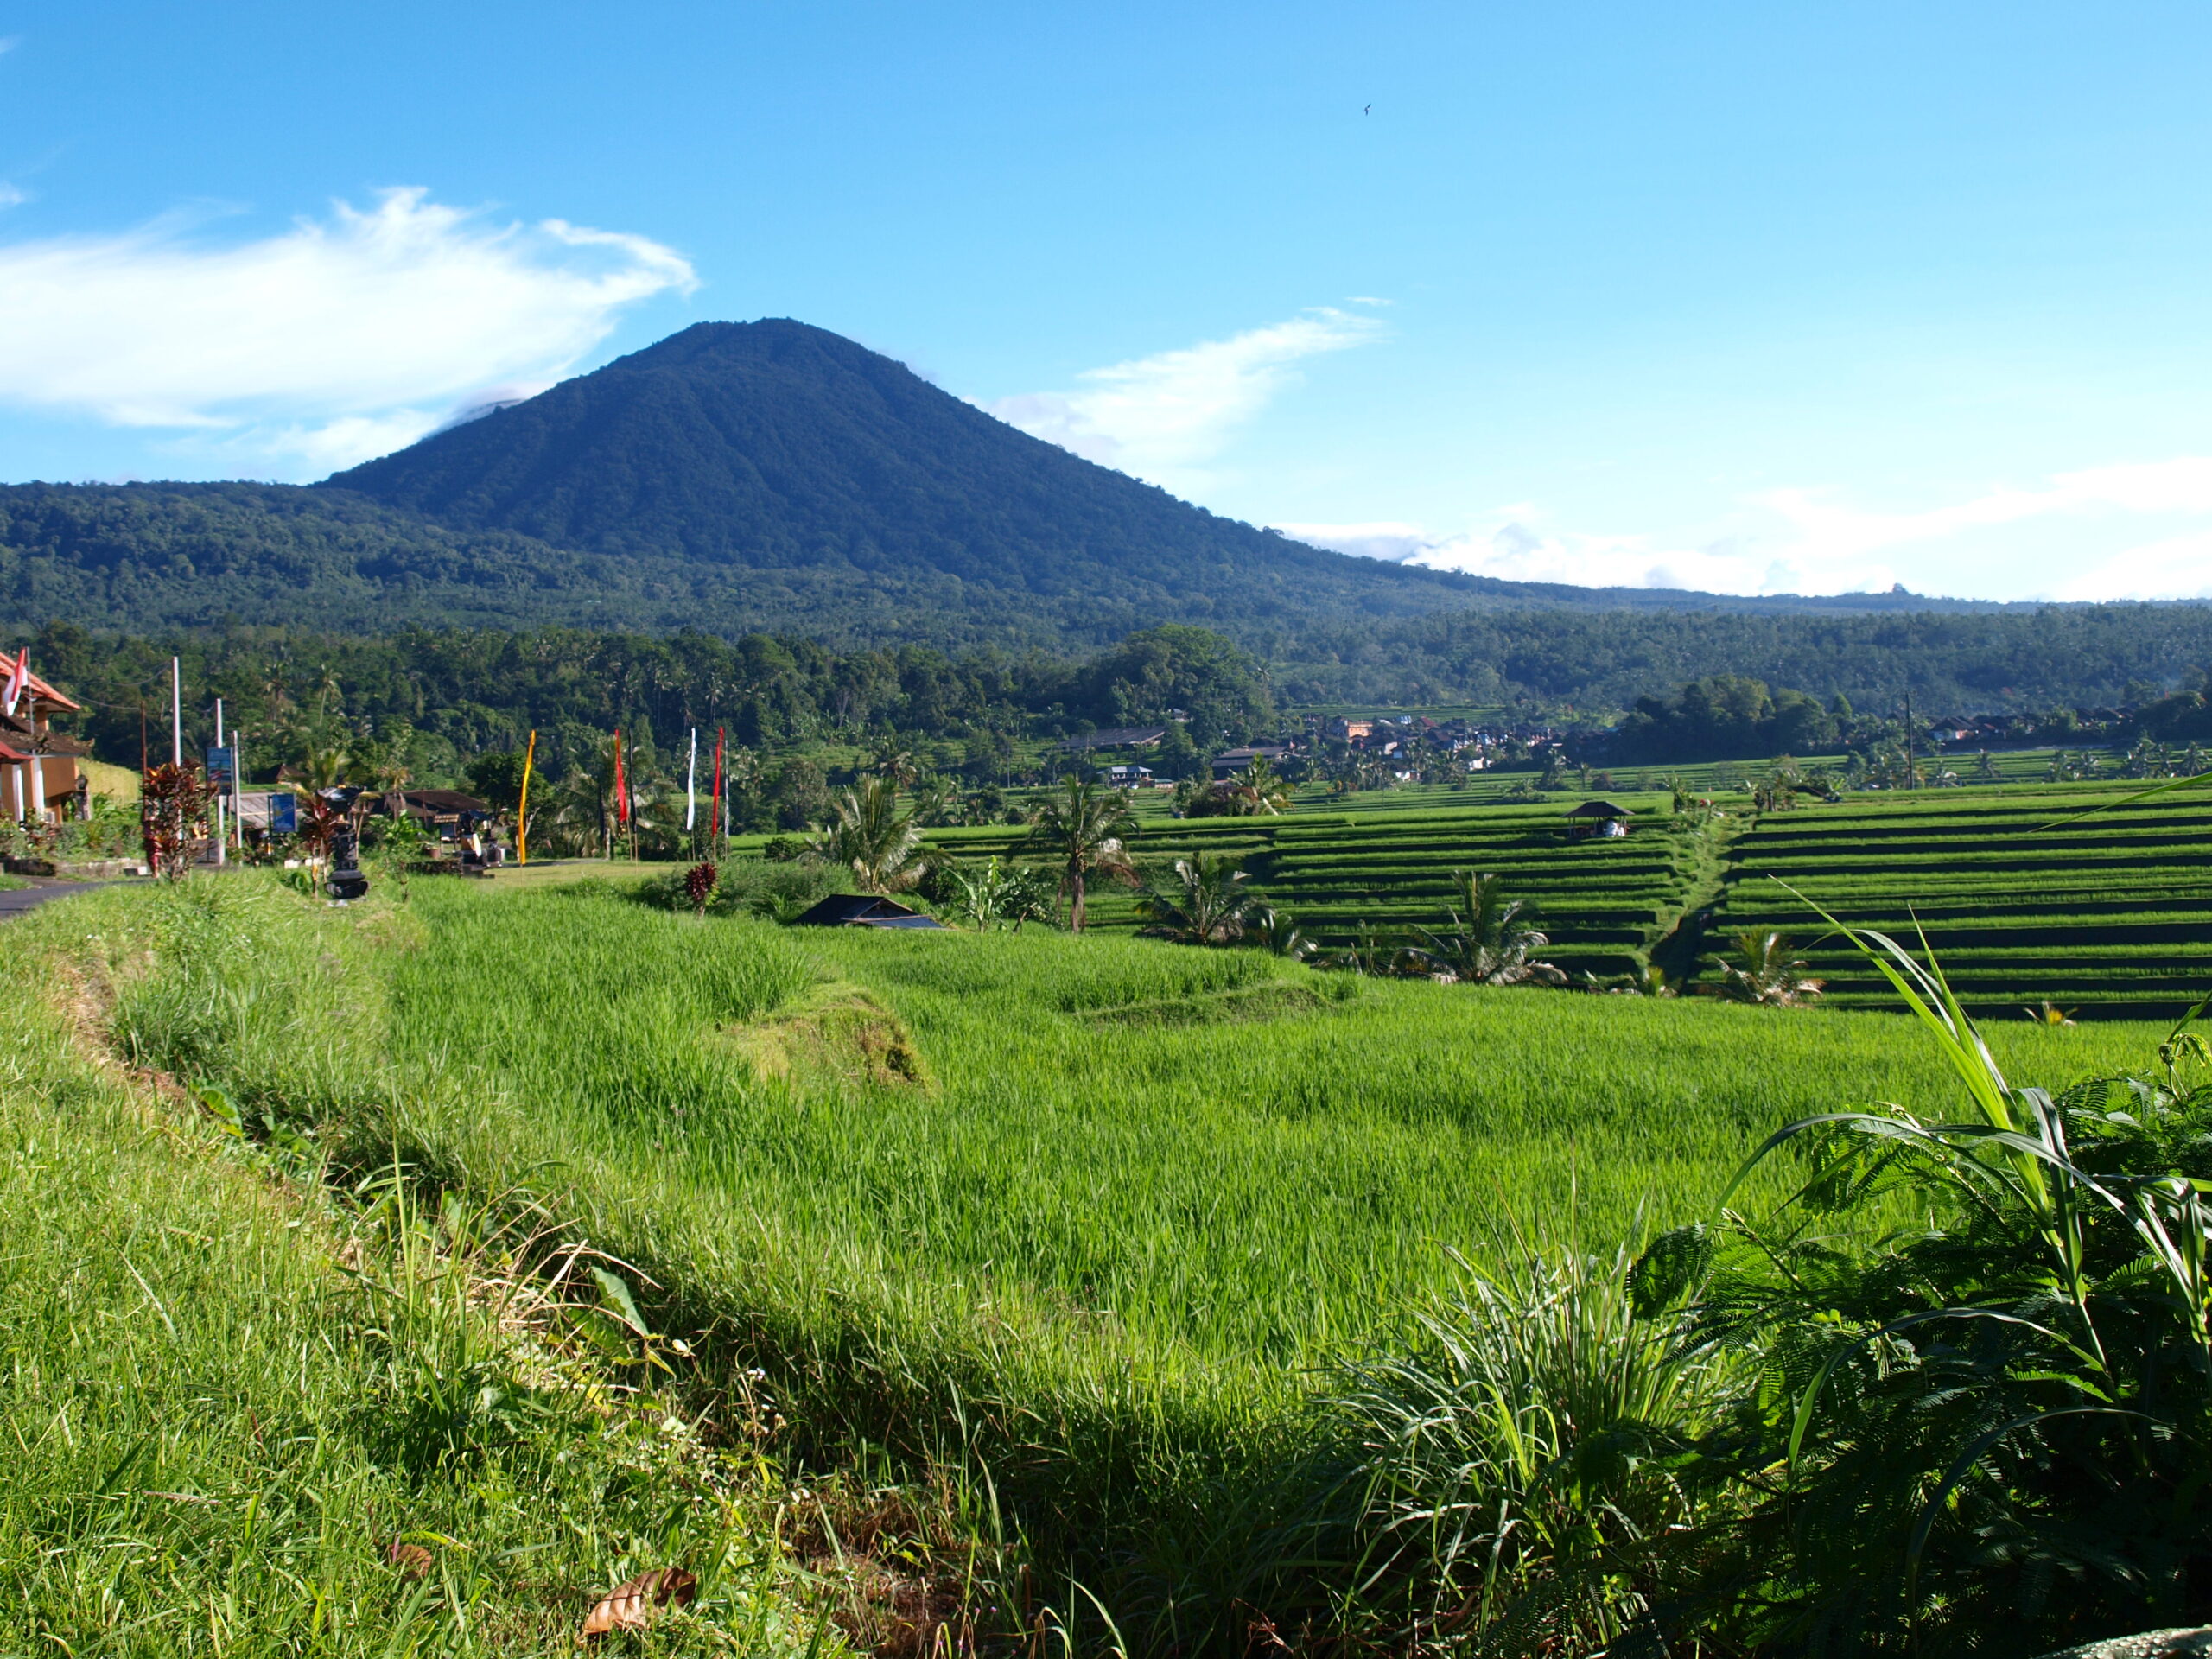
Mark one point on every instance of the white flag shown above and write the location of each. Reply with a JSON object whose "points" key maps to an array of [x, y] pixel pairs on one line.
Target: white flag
{"points": [[691, 784]]}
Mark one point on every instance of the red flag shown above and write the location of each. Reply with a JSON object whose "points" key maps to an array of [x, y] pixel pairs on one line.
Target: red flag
{"points": [[715, 824], [621, 786], [18, 677]]}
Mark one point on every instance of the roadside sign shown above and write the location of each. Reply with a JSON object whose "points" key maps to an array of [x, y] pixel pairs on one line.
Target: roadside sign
{"points": [[221, 764], [277, 811]]}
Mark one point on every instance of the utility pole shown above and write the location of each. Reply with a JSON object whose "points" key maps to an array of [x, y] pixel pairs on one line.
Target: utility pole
{"points": [[1908, 740], [222, 829]]}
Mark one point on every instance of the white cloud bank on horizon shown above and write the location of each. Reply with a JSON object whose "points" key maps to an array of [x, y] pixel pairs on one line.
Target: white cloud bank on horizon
{"points": [[333, 341], [1157, 417], [1803, 542]]}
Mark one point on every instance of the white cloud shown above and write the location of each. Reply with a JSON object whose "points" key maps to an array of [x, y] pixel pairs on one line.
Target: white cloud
{"points": [[12, 195], [2080, 534], [1160, 415], [1518, 550], [332, 340], [1824, 530]]}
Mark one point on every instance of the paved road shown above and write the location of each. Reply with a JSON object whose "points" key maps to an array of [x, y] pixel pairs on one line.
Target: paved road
{"points": [[17, 900]]}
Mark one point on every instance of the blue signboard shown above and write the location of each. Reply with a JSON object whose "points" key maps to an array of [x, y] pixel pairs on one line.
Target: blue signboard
{"points": [[283, 815], [220, 765]]}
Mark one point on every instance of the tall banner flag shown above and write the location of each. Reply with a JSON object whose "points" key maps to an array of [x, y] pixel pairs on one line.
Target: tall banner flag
{"points": [[18, 677], [692, 786], [621, 785], [714, 812], [522, 812]]}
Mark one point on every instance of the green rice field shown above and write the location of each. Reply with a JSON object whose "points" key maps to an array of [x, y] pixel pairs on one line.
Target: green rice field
{"points": [[2109, 914], [1342, 874], [1091, 1215]]}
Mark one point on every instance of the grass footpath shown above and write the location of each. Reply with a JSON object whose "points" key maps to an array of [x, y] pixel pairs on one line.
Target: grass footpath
{"points": [[243, 1418], [1071, 1226]]}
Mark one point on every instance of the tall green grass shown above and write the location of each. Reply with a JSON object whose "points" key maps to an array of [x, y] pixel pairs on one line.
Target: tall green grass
{"points": [[1098, 1257], [225, 1400]]}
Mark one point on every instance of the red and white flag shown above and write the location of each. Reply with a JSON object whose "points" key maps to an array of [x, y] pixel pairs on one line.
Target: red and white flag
{"points": [[19, 677]]}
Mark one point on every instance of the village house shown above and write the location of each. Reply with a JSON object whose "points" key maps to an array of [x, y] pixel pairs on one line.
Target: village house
{"points": [[44, 775]]}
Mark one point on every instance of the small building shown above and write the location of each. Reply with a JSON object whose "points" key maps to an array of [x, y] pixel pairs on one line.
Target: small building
{"points": [[1602, 819], [1228, 764], [864, 910], [1116, 737], [446, 813], [40, 763], [1128, 776]]}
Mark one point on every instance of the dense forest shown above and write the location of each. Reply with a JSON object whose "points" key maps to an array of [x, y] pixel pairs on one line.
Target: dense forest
{"points": [[438, 698], [458, 692], [2020, 658]]}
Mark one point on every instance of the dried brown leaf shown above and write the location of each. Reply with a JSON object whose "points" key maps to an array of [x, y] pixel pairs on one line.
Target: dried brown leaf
{"points": [[412, 1560], [631, 1607]]}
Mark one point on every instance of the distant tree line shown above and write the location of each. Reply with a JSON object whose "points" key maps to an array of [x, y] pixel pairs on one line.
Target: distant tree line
{"points": [[429, 701], [2014, 660], [1732, 717], [448, 695]]}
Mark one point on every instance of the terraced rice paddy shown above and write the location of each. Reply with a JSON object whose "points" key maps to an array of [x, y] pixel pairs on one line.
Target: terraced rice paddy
{"points": [[2111, 915], [1342, 876]]}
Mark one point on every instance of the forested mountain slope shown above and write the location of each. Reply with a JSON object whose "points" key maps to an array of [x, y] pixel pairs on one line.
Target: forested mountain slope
{"points": [[771, 477], [775, 446]]}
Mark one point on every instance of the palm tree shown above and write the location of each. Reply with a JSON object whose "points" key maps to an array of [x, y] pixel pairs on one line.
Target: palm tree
{"points": [[892, 759], [1490, 935], [1273, 932], [1082, 825], [936, 802], [1769, 976], [326, 767], [880, 844], [1203, 905], [1257, 792]]}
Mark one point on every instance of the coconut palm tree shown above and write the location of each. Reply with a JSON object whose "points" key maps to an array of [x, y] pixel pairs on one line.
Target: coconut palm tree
{"points": [[1769, 976], [936, 802], [1273, 932], [1490, 937], [1257, 792], [893, 759], [873, 838], [1204, 904], [1082, 826]]}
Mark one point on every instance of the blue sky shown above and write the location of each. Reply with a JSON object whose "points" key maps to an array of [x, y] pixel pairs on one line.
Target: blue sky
{"points": [[1760, 298]]}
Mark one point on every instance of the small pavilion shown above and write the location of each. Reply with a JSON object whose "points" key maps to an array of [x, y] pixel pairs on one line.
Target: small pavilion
{"points": [[1599, 819]]}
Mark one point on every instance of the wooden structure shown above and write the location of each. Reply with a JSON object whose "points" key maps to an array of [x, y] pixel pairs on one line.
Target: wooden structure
{"points": [[1597, 818], [446, 813]]}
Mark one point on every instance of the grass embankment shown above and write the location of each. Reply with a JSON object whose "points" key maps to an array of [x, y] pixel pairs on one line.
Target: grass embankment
{"points": [[1087, 1241], [229, 1398]]}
